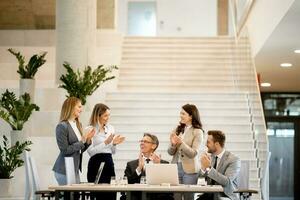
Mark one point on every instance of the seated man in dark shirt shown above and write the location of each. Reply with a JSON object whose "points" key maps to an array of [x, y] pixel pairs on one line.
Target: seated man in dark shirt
{"points": [[135, 169]]}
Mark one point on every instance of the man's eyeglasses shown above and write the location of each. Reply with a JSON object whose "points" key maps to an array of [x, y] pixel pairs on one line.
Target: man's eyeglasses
{"points": [[145, 141]]}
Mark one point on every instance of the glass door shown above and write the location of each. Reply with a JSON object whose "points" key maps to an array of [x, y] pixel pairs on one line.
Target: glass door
{"points": [[141, 18], [281, 143]]}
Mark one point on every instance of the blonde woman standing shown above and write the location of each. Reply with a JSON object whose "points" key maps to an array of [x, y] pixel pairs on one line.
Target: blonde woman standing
{"points": [[184, 146], [70, 139], [103, 146]]}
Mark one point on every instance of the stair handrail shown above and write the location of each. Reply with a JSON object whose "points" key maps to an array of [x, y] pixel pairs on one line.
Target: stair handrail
{"points": [[239, 25]]}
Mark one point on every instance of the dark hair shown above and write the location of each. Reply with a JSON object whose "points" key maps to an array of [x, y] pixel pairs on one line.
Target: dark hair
{"points": [[153, 138], [99, 109], [192, 110], [218, 136]]}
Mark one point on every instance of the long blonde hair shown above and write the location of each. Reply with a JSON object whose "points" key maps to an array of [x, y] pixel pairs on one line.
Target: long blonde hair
{"points": [[67, 110], [99, 109]]}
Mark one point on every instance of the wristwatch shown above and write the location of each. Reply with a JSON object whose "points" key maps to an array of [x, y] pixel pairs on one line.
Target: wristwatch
{"points": [[207, 170]]}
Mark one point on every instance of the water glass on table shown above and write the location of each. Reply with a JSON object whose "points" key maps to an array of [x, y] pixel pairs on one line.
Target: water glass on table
{"points": [[124, 180], [113, 180], [143, 180]]}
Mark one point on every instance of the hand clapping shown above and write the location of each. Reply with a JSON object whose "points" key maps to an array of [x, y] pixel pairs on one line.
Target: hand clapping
{"points": [[109, 139], [205, 161], [155, 158], [118, 139], [88, 135], [175, 139], [141, 162]]}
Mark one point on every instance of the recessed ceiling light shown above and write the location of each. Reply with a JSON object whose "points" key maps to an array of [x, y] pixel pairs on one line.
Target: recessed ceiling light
{"points": [[297, 51], [286, 65], [265, 84]]}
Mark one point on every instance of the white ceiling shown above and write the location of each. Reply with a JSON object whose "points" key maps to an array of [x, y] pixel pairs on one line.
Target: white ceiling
{"points": [[279, 48]]}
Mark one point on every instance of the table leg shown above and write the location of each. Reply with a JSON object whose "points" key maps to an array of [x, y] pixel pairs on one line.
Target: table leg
{"points": [[57, 194], [144, 195], [128, 195]]}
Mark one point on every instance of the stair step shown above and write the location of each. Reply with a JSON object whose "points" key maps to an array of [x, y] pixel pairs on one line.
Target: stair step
{"points": [[189, 73], [205, 66], [142, 61], [175, 104], [183, 56], [182, 51], [191, 77], [183, 39], [213, 95]]}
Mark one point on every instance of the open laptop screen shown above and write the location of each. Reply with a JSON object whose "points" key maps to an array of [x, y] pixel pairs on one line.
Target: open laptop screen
{"points": [[99, 172], [157, 174]]}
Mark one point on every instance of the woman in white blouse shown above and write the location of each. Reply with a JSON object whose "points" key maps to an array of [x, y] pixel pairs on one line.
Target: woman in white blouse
{"points": [[103, 146]]}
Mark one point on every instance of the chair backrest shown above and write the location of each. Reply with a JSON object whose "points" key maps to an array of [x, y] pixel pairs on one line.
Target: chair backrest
{"points": [[28, 176], [243, 178], [70, 170], [35, 175]]}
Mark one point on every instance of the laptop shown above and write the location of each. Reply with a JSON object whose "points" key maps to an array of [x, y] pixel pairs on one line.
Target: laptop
{"points": [[157, 174], [99, 173]]}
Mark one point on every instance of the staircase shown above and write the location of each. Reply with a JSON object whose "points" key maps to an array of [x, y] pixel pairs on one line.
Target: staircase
{"points": [[159, 75], [156, 77]]}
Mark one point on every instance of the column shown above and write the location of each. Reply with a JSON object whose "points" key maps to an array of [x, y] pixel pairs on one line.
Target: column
{"points": [[75, 34]]}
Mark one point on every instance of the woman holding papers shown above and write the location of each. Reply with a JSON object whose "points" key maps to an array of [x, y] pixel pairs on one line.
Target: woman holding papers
{"points": [[103, 146], [71, 140], [185, 141]]}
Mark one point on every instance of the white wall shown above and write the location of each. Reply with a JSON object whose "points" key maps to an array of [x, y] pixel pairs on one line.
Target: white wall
{"points": [[178, 17], [265, 16]]}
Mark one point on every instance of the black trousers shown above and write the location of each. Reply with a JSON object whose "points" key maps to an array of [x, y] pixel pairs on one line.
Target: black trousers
{"points": [[107, 173]]}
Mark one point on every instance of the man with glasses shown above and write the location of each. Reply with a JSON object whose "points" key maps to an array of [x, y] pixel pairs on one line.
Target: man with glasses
{"points": [[135, 169]]}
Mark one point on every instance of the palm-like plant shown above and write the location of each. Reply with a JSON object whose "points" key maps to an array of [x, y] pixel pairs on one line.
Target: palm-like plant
{"points": [[82, 85], [16, 111], [10, 157], [29, 70]]}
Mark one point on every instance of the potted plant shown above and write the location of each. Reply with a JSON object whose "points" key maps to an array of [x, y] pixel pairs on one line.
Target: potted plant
{"points": [[16, 112], [83, 84], [10, 159], [28, 71]]}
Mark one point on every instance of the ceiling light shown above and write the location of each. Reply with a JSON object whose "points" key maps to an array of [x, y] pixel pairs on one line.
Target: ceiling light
{"points": [[297, 51], [286, 65], [265, 84]]}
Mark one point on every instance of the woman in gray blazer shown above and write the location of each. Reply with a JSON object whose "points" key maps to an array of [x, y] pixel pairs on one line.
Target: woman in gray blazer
{"points": [[70, 139], [184, 146]]}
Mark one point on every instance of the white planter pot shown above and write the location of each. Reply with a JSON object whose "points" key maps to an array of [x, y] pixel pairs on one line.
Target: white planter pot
{"points": [[20, 136], [27, 85], [6, 188]]}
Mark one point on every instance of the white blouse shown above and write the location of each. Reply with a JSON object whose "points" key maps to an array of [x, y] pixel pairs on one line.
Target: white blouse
{"points": [[75, 129], [98, 145]]}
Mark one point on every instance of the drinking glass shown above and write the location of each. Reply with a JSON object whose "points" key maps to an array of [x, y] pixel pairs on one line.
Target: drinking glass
{"points": [[143, 180]]}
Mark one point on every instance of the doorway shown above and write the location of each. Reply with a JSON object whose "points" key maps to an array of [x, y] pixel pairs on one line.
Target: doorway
{"points": [[282, 114], [141, 19]]}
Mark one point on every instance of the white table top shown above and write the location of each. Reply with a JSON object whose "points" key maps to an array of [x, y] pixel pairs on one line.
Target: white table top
{"points": [[138, 187]]}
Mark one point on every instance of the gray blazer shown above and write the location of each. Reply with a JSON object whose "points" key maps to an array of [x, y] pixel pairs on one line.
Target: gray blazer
{"points": [[226, 174], [69, 146]]}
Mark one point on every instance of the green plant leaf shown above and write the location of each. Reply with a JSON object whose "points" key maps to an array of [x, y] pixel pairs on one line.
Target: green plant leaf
{"points": [[83, 84], [11, 157], [28, 71], [16, 111]]}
